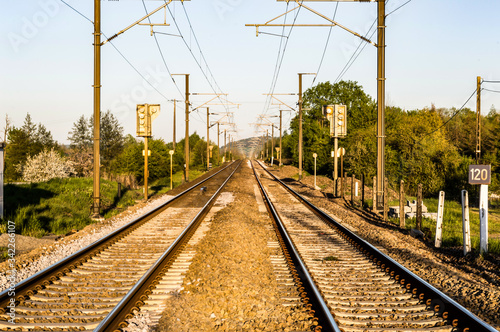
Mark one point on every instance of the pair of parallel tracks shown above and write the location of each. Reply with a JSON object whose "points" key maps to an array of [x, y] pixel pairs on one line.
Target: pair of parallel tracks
{"points": [[101, 286], [351, 284], [348, 283]]}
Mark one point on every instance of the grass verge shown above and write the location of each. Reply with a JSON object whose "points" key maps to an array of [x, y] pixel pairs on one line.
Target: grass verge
{"points": [[61, 205]]}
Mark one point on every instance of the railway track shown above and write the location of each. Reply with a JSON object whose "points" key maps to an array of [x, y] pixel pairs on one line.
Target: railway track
{"points": [[353, 285], [100, 286]]}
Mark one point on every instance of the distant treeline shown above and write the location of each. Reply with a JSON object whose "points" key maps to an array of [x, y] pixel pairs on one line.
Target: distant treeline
{"points": [[32, 155], [432, 146]]}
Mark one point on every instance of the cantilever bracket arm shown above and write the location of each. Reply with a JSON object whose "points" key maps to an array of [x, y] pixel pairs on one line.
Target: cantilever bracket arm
{"points": [[300, 4], [217, 95], [138, 22]]}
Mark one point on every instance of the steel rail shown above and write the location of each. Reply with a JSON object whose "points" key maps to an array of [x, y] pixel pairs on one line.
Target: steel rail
{"points": [[325, 317], [458, 316], [43, 278], [135, 298]]}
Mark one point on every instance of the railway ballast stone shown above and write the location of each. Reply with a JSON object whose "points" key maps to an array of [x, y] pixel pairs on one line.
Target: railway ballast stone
{"points": [[230, 285]]}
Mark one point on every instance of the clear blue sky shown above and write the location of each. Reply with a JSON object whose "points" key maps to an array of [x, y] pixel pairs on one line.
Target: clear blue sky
{"points": [[435, 50]]}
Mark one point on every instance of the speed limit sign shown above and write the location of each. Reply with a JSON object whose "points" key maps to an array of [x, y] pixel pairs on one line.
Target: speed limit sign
{"points": [[479, 174]]}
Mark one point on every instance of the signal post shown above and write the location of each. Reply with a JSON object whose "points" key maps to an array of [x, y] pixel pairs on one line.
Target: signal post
{"points": [[145, 115], [337, 115]]}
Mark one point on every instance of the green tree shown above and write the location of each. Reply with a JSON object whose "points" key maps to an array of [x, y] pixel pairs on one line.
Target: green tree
{"points": [[80, 136], [26, 141], [111, 138]]}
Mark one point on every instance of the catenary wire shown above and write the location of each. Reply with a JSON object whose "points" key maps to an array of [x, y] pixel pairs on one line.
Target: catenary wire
{"points": [[326, 46], [278, 69], [451, 118], [199, 47], [407, 2], [85, 17], [162, 56], [191, 50], [269, 97], [355, 55], [120, 53], [489, 90]]}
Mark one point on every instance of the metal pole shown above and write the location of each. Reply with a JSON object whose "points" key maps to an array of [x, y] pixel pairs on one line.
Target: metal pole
{"points": [[335, 165], [225, 146], [171, 171], [381, 105], [186, 139], [478, 121], [97, 108], [267, 142], [272, 142], [208, 139], [281, 129], [146, 173], [218, 145], [175, 108], [300, 127]]}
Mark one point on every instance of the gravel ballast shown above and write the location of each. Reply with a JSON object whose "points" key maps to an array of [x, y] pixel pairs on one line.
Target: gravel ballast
{"points": [[43, 257], [471, 281], [230, 285]]}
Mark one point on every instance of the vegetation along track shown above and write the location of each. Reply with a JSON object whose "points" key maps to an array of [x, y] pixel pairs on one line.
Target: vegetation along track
{"points": [[363, 289], [80, 291]]}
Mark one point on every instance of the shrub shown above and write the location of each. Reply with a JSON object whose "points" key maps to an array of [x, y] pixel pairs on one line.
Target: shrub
{"points": [[46, 165]]}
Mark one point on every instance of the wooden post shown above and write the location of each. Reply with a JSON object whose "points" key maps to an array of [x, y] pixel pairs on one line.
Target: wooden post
{"points": [[119, 190], [419, 207], [466, 222], [439, 221], [402, 200], [386, 199], [362, 190], [353, 180], [344, 185]]}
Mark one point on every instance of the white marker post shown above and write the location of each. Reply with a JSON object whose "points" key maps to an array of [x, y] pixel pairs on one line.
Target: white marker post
{"points": [[439, 222], [466, 222], [483, 219], [481, 174], [315, 156]]}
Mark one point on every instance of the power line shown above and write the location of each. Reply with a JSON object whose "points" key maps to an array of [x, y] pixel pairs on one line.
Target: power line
{"points": [[278, 67], [161, 54], [199, 47], [495, 91], [269, 97], [326, 45], [119, 52], [453, 116], [85, 17], [491, 81], [355, 56], [407, 2], [191, 51]]}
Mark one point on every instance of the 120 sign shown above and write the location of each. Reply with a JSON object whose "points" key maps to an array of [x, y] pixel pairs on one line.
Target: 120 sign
{"points": [[479, 174]]}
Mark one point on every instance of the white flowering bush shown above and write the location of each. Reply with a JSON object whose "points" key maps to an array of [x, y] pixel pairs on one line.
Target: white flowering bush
{"points": [[46, 165]]}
